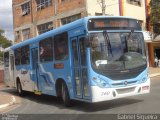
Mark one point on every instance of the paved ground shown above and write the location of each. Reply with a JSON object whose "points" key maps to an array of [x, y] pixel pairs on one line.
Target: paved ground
{"points": [[49, 108], [33, 104], [6, 98], [154, 71]]}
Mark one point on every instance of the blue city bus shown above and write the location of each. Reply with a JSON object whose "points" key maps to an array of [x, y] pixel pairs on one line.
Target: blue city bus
{"points": [[92, 59]]}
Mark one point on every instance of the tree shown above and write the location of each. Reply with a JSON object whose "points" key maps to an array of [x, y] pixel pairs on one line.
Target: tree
{"points": [[4, 42], [155, 15], [1, 32]]}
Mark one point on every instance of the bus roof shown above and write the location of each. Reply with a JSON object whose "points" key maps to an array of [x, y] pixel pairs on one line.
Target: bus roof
{"points": [[87, 18], [69, 26]]}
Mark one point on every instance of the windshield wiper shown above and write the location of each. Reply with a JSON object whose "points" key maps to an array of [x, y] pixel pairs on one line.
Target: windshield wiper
{"points": [[105, 34], [130, 34], [127, 39]]}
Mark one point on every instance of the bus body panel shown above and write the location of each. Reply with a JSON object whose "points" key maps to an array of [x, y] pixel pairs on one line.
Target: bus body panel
{"points": [[103, 94], [9, 70], [80, 78], [7, 79]]}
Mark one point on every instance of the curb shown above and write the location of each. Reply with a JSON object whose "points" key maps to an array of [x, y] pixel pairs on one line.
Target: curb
{"points": [[9, 104]]}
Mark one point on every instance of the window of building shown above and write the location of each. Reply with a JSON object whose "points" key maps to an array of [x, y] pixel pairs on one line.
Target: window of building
{"points": [[70, 19], [41, 4], [26, 33], [6, 59], [64, 1], [46, 50], [25, 8], [17, 54], [45, 27], [61, 46], [17, 35], [135, 2], [98, 14], [25, 55]]}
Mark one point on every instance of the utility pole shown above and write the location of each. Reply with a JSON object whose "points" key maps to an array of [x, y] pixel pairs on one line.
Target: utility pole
{"points": [[103, 7]]}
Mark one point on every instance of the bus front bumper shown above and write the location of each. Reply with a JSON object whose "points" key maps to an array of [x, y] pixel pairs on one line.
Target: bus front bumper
{"points": [[104, 94]]}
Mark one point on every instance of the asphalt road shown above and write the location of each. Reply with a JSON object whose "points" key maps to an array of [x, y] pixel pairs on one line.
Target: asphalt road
{"points": [[33, 104]]}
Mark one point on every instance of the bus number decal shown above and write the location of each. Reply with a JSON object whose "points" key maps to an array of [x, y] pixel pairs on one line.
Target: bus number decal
{"points": [[105, 93]]}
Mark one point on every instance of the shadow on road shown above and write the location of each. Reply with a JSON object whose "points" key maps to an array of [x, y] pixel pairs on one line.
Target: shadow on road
{"points": [[94, 107], [77, 105]]}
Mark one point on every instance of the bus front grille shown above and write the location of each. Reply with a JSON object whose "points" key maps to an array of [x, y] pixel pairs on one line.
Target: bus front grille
{"points": [[122, 83], [125, 90]]}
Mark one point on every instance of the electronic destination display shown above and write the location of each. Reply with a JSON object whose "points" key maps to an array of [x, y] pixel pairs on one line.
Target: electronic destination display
{"points": [[113, 24]]}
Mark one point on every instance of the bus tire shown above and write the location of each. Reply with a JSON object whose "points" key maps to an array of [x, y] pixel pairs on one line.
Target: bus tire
{"points": [[65, 95], [19, 89]]}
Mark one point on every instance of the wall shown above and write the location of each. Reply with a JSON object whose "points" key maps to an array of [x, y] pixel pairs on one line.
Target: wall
{"points": [[53, 13], [112, 7], [1, 76], [136, 12], [69, 5]]}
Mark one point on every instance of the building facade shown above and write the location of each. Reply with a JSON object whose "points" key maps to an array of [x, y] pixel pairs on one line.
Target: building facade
{"points": [[34, 17], [153, 43], [153, 51]]}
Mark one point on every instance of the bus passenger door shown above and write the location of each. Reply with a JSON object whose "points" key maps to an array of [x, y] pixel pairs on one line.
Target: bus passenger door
{"points": [[79, 68], [6, 69], [34, 73], [12, 70]]}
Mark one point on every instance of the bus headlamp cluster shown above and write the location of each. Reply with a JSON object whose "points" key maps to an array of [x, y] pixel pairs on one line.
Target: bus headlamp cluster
{"points": [[144, 79], [100, 82]]}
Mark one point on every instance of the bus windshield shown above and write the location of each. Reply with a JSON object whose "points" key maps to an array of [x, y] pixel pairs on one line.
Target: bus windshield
{"points": [[117, 51]]}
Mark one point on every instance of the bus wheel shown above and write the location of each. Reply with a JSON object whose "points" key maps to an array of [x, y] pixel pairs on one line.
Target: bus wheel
{"points": [[19, 89], [65, 95]]}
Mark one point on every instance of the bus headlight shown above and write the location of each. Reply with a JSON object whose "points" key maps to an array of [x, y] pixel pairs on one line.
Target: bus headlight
{"points": [[100, 82], [144, 79]]}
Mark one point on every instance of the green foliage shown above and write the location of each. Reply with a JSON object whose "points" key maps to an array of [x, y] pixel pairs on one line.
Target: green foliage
{"points": [[155, 15], [1, 56], [1, 32], [4, 42]]}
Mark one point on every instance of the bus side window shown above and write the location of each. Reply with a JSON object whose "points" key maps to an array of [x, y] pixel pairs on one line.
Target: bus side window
{"points": [[17, 54], [61, 46], [6, 59], [25, 55], [46, 50]]}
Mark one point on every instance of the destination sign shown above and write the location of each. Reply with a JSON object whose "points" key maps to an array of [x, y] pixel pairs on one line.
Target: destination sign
{"points": [[113, 23]]}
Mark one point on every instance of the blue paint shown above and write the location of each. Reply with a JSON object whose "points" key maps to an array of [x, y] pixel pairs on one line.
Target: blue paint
{"points": [[47, 75]]}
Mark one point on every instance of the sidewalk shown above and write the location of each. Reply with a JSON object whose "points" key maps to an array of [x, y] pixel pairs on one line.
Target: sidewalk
{"points": [[6, 100], [154, 71]]}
